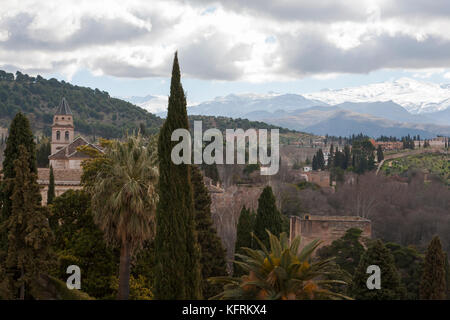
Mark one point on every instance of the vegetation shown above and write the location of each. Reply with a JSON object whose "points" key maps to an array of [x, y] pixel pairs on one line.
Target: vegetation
{"points": [[178, 272], [51, 187], [436, 164], [244, 234], [79, 241], [282, 273], [391, 288], [433, 285], [97, 114], [213, 261], [267, 217], [124, 200]]}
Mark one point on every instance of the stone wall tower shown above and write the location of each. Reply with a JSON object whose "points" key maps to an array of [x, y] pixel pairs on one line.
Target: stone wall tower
{"points": [[62, 128]]}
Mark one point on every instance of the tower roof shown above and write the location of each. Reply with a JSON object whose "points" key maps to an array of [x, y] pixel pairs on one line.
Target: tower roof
{"points": [[63, 107]]}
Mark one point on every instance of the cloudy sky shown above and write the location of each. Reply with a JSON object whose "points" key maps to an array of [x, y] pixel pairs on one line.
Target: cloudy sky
{"points": [[230, 46]]}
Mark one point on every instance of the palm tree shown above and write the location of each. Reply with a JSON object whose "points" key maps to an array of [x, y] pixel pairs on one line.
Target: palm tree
{"points": [[281, 273], [124, 199]]}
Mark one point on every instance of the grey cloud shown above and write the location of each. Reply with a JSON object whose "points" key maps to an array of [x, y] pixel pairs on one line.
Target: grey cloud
{"points": [[91, 32], [313, 54], [316, 11], [211, 59]]}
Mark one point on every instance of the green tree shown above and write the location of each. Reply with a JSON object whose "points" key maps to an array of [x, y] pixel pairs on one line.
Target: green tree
{"points": [[244, 238], [43, 150], [347, 250], [267, 217], [176, 247], [433, 285], [27, 228], [391, 288], [79, 241], [51, 187], [282, 272], [124, 200], [213, 261], [380, 155]]}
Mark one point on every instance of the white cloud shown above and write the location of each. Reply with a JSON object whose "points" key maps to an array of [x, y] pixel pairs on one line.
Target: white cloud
{"points": [[255, 40]]}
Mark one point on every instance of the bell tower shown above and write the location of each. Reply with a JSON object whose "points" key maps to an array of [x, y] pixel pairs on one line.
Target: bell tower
{"points": [[62, 128]]}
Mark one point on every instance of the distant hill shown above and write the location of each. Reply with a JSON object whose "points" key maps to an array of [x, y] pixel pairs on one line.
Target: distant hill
{"points": [[95, 112]]}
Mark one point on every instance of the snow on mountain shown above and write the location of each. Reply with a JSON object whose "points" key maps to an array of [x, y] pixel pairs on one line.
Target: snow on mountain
{"points": [[151, 103], [415, 96]]}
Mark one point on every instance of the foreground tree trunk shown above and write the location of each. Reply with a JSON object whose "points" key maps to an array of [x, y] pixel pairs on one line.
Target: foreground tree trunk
{"points": [[124, 272]]}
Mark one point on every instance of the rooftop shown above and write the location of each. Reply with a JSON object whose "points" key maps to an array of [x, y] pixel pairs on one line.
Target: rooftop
{"points": [[63, 108]]}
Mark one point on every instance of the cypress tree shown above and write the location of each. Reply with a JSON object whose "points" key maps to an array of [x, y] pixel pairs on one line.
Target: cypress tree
{"points": [[213, 262], [177, 253], [51, 187], [433, 285], [19, 134], [391, 288], [27, 227], [380, 155], [267, 217], [243, 235]]}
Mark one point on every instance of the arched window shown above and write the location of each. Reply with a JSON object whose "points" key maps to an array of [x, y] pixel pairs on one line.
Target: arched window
{"points": [[66, 136], [58, 135]]}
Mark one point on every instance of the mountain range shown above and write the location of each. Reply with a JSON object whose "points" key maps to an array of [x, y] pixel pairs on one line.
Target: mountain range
{"points": [[400, 107]]}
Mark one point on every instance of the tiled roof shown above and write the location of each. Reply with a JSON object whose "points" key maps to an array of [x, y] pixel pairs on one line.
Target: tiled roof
{"points": [[63, 108], [70, 151]]}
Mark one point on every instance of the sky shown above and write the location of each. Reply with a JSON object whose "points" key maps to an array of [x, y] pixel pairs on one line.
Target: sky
{"points": [[224, 47]]}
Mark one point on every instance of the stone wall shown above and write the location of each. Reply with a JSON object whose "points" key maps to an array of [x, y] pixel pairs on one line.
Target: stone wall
{"points": [[326, 228], [225, 209]]}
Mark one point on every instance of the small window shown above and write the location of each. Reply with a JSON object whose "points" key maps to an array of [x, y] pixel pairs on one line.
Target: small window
{"points": [[56, 118], [62, 118], [66, 136], [58, 135]]}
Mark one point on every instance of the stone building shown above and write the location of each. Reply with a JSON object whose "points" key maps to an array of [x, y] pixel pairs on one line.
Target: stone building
{"points": [[65, 158], [326, 228]]}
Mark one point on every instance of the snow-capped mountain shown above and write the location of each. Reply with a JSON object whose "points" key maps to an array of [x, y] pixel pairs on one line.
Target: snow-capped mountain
{"points": [[151, 103], [415, 96]]}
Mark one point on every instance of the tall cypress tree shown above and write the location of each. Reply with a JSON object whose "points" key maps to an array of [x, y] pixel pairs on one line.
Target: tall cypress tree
{"points": [[267, 217], [19, 134], [27, 227], [51, 187], [213, 262], [177, 253], [380, 155], [391, 288], [243, 235], [433, 285]]}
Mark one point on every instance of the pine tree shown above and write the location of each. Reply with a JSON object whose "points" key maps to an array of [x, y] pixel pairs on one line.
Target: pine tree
{"points": [[315, 166], [243, 235], [27, 227], [51, 187], [391, 288], [380, 155], [267, 217], [433, 285], [320, 160], [177, 253], [213, 262]]}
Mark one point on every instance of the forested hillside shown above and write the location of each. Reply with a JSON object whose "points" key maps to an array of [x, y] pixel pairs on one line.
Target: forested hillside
{"points": [[95, 112]]}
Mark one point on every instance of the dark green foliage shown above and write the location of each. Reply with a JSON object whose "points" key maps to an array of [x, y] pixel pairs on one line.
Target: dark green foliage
{"points": [[391, 288], [213, 261], [27, 229], [433, 284], [268, 217], [176, 247], [51, 187], [347, 250], [43, 150], [244, 238], [409, 264], [79, 241], [211, 172], [380, 155], [93, 109]]}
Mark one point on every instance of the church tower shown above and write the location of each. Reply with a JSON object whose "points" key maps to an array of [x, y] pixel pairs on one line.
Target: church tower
{"points": [[62, 128]]}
